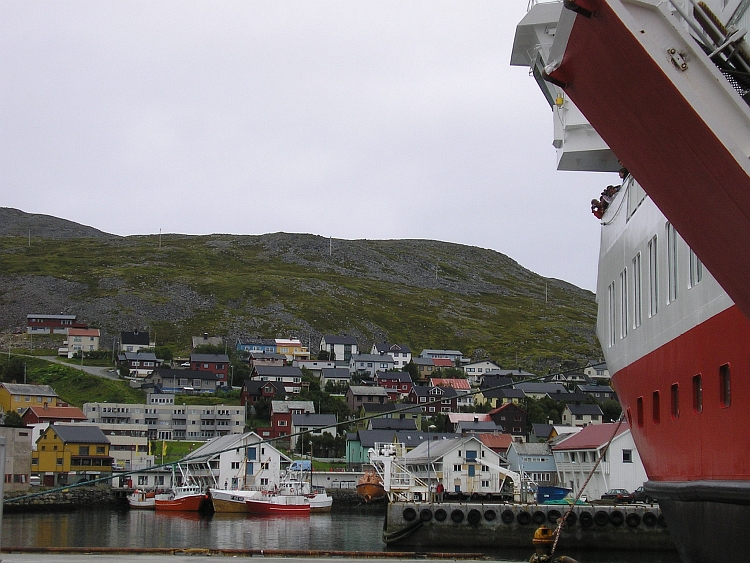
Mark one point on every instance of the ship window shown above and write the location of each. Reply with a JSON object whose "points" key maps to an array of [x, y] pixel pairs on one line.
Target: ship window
{"points": [[639, 411], [611, 293], [656, 407], [637, 297], [672, 278], [624, 303], [675, 401], [653, 278], [725, 386], [697, 393], [696, 269]]}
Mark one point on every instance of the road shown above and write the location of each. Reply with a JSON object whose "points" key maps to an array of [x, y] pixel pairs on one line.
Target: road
{"points": [[93, 370]]}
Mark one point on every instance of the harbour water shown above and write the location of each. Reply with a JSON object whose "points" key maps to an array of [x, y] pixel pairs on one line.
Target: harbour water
{"points": [[351, 530]]}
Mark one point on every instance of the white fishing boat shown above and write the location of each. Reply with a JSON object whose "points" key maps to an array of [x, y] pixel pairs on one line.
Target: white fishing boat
{"points": [[140, 499]]}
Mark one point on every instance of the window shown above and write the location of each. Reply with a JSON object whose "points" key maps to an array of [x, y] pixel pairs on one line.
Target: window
{"points": [[725, 386], [637, 297], [656, 415], [675, 401], [653, 278], [624, 303], [456, 468], [83, 450], [672, 262], [639, 411], [696, 269], [627, 456], [142, 480], [611, 295], [697, 393]]}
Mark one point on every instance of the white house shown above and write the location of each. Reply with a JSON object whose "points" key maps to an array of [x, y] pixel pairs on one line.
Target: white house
{"points": [[237, 461], [621, 466], [343, 347], [368, 364], [476, 370], [582, 415], [82, 340], [400, 353]]}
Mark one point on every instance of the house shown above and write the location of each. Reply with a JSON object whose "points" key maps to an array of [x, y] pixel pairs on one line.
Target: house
{"points": [[184, 381], [377, 411], [218, 364], [49, 324], [576, 459], [397, 383], [134, 341], [582, 415], [549, 432], [359, 443], [315, 424], [206, 340], [315, 367], [18, 447], [342, 347], [281, 416], [289, 376], [442, 363], [598, 371], [465, 427], [265, 359], [434, 400], [455, 417], [499, 397], [365, 365], [48, 414], [292, 348], [425, 367], [569, 397], [70, 453], [533, 460], [400, 353], [569, 379], [138, 364], [475, 370], [357, 395], [82, 340], [128, 446], [598, 392], [20, 396], [166, 420], [255, 390], [498, 443], [464, 396], [540, 390], [455, 356], [462, 464], [513, 419], [337, 376], [260, 345], [238, 461]]}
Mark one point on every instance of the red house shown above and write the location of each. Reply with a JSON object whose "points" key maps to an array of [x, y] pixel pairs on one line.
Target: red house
{"points": [[281, 416], [51, 324], [398, 384], [512, 418], [215, 363], [253, 391], [46, 413]]}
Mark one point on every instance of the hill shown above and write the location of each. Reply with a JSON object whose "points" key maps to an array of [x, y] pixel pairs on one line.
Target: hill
{"points": [[426, 294]]}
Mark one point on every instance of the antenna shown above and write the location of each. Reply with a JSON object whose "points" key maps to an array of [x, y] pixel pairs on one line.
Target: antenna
{"points": [[159, 238], [330, 246]]}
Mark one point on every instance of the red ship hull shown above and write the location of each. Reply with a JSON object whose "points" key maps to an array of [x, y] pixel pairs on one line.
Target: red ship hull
{"points": [[275, 506], [190, 503]]}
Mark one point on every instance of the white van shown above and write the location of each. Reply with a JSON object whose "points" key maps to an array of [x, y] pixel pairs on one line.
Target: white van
{"points": [[35, 481]]}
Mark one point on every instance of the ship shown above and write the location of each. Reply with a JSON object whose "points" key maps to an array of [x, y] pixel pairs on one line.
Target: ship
{"points": [[660, 90]]}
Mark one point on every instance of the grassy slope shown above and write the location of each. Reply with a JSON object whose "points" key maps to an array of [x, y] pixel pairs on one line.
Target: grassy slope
{"points": [[272, 287]]}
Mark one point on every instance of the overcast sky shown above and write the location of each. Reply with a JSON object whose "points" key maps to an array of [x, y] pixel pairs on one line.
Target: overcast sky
{"points": [[352, 119]]}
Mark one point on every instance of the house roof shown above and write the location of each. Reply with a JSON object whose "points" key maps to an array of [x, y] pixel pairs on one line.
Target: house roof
{"points": [[455, 417], [253, 386], [256, 341], [288, 342], [413, 438], [135, 337], [278, 371], [376, 408], [336, 339], [255, 355], [336, 373], [206, 339], [372, 358], [84, 332], [442, 362], [318, 420], [542, 387], [218, 445], [591, 437], [221, 358], [590, 410], [440, 444], [57, 413], [542, 430], [375, 390], [392, 424], [455, 383], [385, 347], [367, 438], [430, 353], [595, 389], [79, 433], [568, 397], [495, 441], [496, 381], [288, 406], [423, 361], [507, 406], [532, 448], [27, 389], [477, 426], [503, 393], [55, 317], [400, 376]]}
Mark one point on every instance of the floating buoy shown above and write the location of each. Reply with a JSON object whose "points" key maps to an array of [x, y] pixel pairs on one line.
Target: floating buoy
{"points": [[543, 535]]}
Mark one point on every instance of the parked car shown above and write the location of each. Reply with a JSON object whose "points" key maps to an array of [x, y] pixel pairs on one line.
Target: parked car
{"points": [[618, 496], [640, 495], [185, 364]]}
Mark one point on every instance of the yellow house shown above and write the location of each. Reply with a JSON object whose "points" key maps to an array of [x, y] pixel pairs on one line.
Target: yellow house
{"points": [[19, 396], [70, 453]]}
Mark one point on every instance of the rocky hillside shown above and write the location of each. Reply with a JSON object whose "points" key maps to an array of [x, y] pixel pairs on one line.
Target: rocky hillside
{"points": [[426, 294]]}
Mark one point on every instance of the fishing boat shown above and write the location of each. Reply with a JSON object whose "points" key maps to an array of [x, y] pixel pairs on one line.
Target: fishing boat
{"points": [[660, 88], [140, 499], [274, 502], [294, 491], [224, 500], [186, 497], [370, 487]]}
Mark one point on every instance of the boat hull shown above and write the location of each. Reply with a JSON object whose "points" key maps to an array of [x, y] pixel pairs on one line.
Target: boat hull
{"points": [[370, 492], [191, 503], [231, 501], [279, 505]]}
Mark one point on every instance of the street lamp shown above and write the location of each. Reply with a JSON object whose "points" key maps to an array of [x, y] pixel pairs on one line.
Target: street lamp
{"points": [[429, 462]]}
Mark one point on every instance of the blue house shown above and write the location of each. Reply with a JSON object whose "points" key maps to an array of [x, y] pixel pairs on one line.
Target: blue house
{"points": [[534, 461], [263, 345]]}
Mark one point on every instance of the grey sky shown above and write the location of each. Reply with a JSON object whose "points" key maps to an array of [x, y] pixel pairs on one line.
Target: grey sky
{"points": [[377, 120]]}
